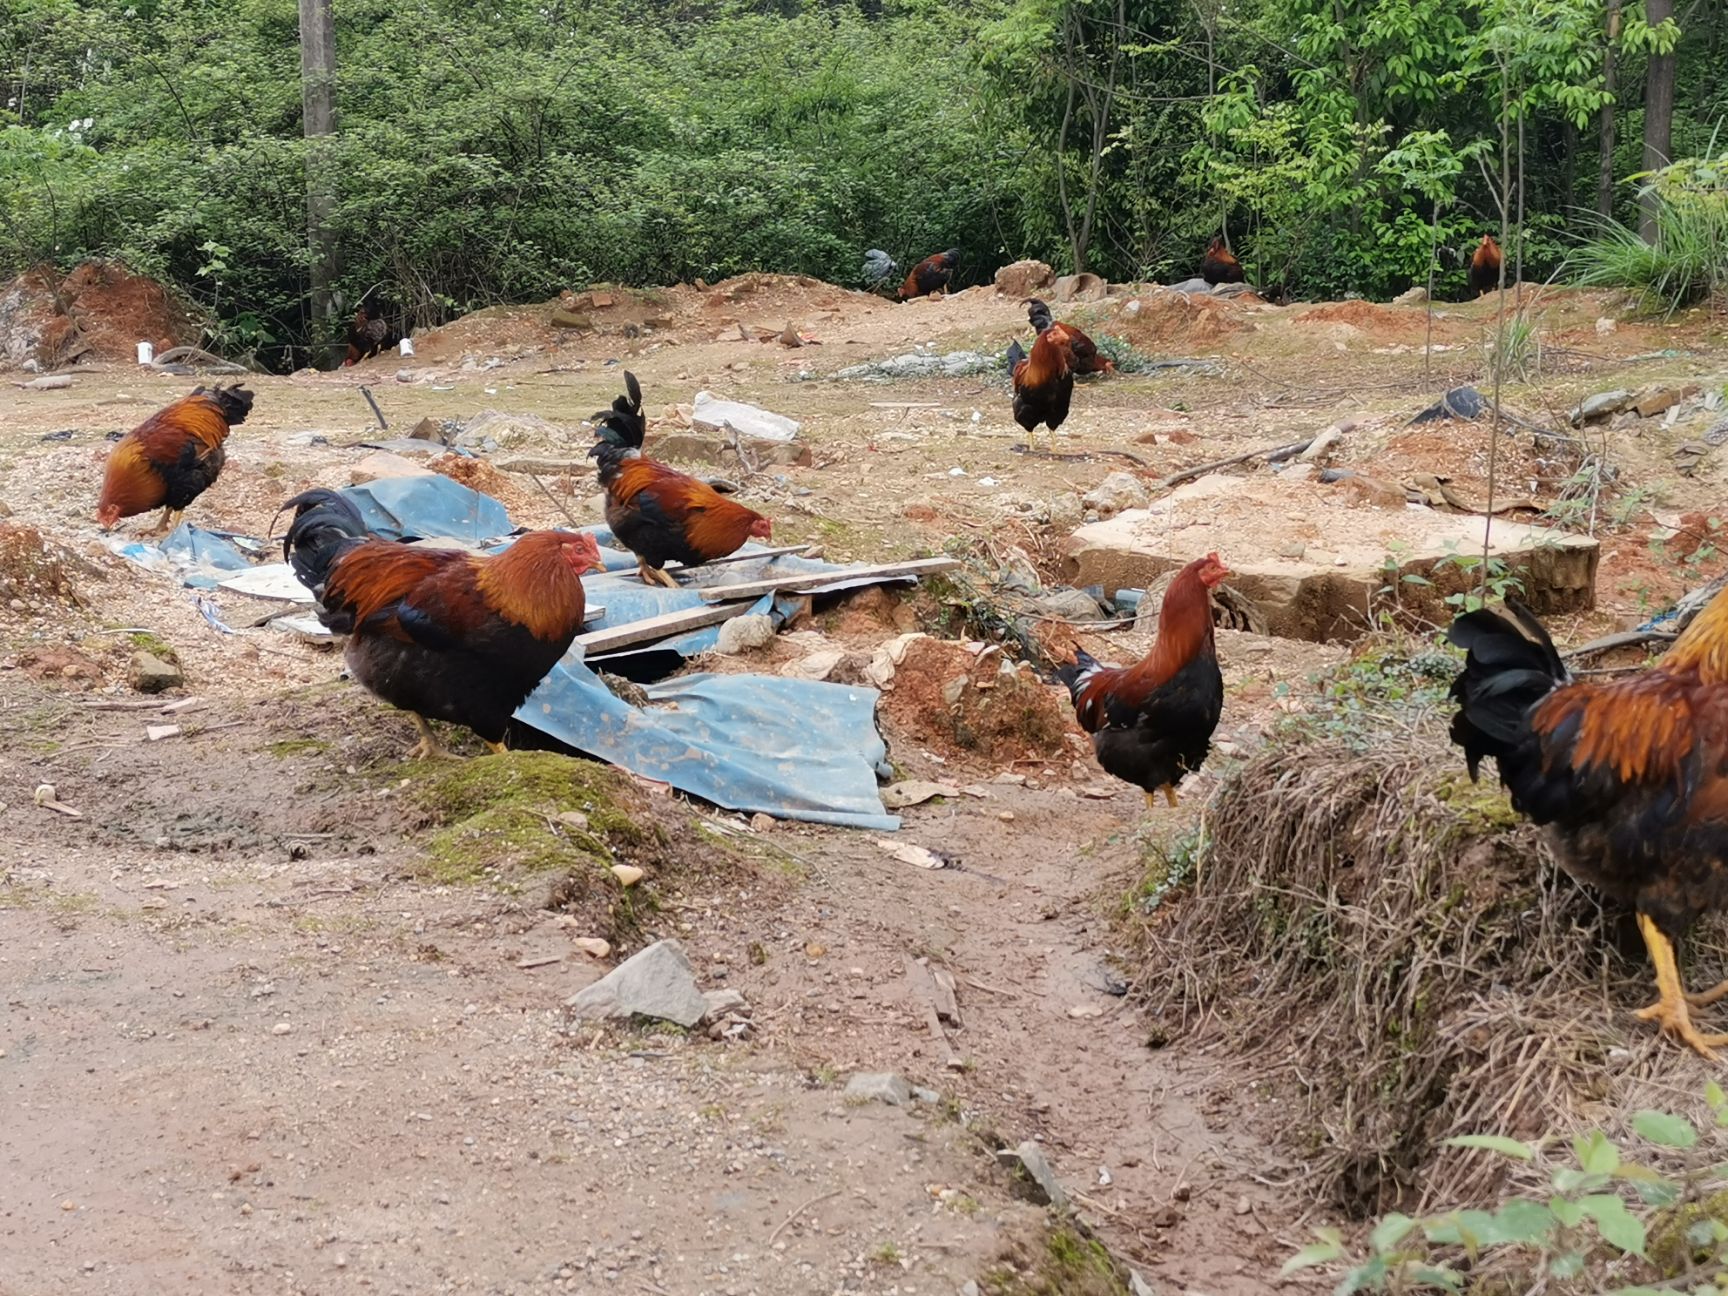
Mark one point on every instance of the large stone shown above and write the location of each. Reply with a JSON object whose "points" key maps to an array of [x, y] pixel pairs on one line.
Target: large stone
{"points": [[751, 422], [879, 1086], [1118, 492], [381, 464], [658, 982], [1024, 278], [149, 673], [1327, 590], [1079, 288]]}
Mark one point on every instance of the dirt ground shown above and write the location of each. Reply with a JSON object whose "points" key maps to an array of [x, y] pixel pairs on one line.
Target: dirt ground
{"points": [[253, 1042]]}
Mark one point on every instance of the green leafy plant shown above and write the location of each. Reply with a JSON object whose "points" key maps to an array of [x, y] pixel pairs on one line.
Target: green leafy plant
{"points": [[1592, 1230]]}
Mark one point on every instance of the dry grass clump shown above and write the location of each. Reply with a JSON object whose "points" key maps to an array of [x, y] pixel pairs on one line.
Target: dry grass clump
{"points": [[1402, 955]]}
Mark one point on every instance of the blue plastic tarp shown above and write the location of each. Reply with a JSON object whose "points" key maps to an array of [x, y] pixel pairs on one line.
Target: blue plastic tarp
{"points": [[790, 748], [435, 505]]}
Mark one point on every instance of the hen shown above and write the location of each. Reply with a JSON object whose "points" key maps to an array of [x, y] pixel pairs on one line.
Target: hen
{"points": [[1220, 265], [1485, 266], [1152, 723], [172, 457], [930, 275], [1629, 775], [658, 513], [442, 633], [1044, 380]]}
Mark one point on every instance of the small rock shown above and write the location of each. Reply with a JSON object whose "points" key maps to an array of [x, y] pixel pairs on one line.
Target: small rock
{"points": [[282, 1028], [1066, 511], [1243, 1206], [1116, 493], [929, 1097], [818, 665], [761, 823], [574, 819], [1657, 400], [724, 1001], [657, 982], [148, 673], [742, 634], [592, 946], [1138, 1286], [1605, 326], [1037, 1167], [1411, 296], [628, 875], [1601, 405], [911, 792], [953, 690], [879, 1086]]}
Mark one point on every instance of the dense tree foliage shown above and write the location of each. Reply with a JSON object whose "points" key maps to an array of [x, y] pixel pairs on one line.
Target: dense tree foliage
{"points": [[507, 150]]}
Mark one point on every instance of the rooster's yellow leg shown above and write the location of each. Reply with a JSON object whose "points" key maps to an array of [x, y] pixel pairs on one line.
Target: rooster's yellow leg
{"points": [[428, 748], [1669, 1011], [654, 575], [496, 748], [1170, 794], [169, 520], [1151, 801]]}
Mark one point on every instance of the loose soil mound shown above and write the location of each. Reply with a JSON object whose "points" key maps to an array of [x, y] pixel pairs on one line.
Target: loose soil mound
{"points": [[1380, 321], [1175, 320], [1401, 955], [99, 312]]}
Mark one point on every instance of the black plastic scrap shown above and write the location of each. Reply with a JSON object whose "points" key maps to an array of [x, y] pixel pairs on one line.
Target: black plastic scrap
{"points": [[1460, 402]]}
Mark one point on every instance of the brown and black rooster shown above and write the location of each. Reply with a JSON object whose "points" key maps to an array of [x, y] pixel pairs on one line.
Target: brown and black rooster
{"points": [[442, 633], [1220, 265], [1043, 381], [172, 457], [1485, 266], [1152, 723], [1629, 775], [930, 275], [658, 513]]}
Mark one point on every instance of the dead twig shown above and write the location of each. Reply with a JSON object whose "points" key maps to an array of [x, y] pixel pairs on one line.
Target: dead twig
{"points": [[1272, 454], [814, 1201]]}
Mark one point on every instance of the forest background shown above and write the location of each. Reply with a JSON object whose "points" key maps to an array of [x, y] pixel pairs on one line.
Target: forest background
{"points": [[467, 154]]}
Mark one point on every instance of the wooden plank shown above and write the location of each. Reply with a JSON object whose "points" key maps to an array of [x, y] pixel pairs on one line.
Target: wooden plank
{"points": [[815, 580], [663, 626], [746, 557]]}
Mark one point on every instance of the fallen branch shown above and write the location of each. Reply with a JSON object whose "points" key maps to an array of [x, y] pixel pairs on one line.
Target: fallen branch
{"points": [[1271, 454], [1622, 639]]}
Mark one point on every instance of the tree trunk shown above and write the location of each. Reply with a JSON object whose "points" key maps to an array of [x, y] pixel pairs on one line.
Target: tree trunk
{"points": [[318, 111], [1658, 116], [1610, 56]]}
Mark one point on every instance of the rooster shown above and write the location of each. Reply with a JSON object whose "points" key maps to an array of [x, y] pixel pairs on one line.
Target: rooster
{"points": [[658, 513], [172, 457], [1151, 724], [367, 335], [1630, 775], [441, 633], [1485, 266], [1219, 265], [1044, 380], [930, 275], [1083, 355]]}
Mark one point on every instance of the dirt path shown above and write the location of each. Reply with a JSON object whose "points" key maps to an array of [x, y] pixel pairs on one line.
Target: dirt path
{"points": [[249, 1048]]}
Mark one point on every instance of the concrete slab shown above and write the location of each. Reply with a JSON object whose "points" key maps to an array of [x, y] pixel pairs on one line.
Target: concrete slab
{"points": [[1318, 567]]}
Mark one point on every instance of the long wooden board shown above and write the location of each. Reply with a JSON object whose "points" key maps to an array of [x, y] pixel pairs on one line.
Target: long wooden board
{"points": [[663, 626], [815, 580]]}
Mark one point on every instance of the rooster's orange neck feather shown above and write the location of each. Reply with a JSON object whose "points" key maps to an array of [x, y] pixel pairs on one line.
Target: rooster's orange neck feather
{"points": [[1703, 645], [532, 584], [1184, 629]]}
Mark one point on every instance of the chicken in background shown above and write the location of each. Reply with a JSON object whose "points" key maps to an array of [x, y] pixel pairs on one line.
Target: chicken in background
{"points": [[1630, 776], [1044, 380], [368, 334], [1485, 266], [172, 457], [1083, 354], [1152, 723], [1220, 265], [930, 275], [879, 270], [441, 633], [658, 513]]}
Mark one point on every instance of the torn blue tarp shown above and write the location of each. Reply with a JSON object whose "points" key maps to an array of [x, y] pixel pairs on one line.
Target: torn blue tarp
{"points": [[434, 505], [791, 748]]}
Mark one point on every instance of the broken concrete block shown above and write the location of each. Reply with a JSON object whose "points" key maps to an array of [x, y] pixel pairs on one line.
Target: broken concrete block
{"points": [[380, 464], [751, 422], [657, 982], [1328, 592], [1024, 279]]}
